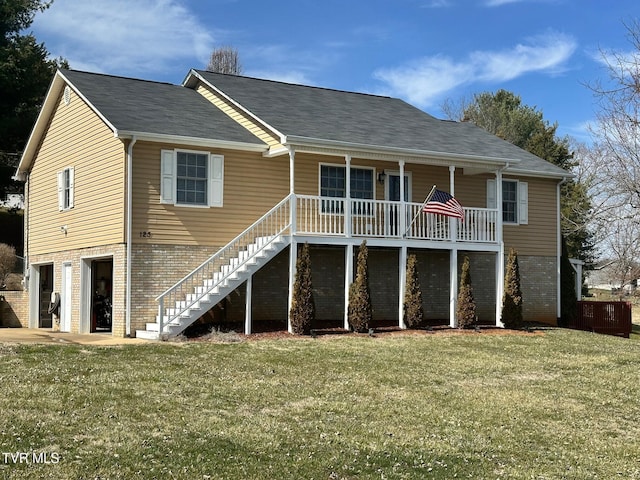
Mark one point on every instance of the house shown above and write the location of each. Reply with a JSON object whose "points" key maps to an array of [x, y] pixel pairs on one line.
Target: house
{"points": [[149, 205]]}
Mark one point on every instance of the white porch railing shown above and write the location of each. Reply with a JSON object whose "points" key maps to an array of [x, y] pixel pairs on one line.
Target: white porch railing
{"points": [[383, 219]]}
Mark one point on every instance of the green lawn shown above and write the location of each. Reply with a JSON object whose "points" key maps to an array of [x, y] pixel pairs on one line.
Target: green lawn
{"points": [[560, 404]]}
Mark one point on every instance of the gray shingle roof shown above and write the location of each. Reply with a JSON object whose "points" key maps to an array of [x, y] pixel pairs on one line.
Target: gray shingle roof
{"points": [[320, 113], [132, 105]]}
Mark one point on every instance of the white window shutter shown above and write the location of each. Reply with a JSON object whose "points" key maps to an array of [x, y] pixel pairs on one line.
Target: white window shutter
{"points": [[216, 180], [71, 186], [61, 190], [523, 203], [167, 177], [492, 201]]}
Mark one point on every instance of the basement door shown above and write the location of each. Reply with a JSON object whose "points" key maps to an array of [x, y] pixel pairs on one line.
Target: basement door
{"points": [[102, 297], [45, 287]]}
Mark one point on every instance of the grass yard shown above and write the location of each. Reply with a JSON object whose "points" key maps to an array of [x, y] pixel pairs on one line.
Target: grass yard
{"points": [[560, 404]]}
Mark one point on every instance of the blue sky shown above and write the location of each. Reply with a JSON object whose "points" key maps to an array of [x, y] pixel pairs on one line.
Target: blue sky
{"points": [[423, 51]]}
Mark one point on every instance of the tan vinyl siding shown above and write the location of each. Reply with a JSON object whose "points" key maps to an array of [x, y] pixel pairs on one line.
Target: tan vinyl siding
{"points": [[76, 137], [539, 236], [239, 116], [536, 238], [252, 186]]}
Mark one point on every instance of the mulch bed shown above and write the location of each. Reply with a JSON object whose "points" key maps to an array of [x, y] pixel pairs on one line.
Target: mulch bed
{"points": [[276, 331], [393, 332]]}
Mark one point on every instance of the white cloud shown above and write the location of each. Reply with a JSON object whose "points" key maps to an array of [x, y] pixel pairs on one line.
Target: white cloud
{"points": [[499, 3], [424, 81], [289, 76], [543, 53], [124, 37], [289, 64], [438, 4]]}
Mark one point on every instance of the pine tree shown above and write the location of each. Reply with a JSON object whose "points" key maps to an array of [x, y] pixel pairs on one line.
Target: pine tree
{"points": [[466, 310], [360, 311], [302, 311], [413, 311], [512, 298]]}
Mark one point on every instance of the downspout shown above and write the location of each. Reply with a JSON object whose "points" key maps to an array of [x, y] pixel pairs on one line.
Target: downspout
{"points": [[129, 236], [559, 251], [26, 270]]}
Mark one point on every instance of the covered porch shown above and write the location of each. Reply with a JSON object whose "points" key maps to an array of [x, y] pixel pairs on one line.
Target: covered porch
{"points": [[397, 222]]}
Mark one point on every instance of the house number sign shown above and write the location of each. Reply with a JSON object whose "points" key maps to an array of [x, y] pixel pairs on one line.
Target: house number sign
{"points": [[145, 234]]}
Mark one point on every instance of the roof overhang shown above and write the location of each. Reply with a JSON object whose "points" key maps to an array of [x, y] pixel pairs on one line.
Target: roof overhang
{"points": [[190, 141], [384, 153]]}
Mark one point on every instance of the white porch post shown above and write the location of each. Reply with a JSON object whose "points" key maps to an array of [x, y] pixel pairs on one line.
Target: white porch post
{"points": [[453, 286], [500, 254], [402, 268], [453, 256], [292, 157], [403, 205], [347, 201], [293, 257], [453, 222], [293, 246], [247, 306], [348, 276]]}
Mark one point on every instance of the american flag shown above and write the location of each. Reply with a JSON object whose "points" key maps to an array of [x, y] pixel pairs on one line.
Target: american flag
{"points": [[444, 204]]}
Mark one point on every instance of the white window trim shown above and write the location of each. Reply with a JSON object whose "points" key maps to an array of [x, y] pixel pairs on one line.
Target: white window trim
{"points": [[343, 166], [168, 178], [62, 205], [522, 192], [408, 174], [361, 167]]}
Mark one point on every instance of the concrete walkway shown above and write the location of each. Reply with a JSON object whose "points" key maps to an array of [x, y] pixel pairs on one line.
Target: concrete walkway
{"points": [[48, 336]]}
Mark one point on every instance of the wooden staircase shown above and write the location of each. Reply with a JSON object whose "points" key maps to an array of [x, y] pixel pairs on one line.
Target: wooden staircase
{"points": [[221, 274]]}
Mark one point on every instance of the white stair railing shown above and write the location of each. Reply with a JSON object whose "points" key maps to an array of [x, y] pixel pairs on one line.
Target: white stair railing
{"points": [[184, 294]]}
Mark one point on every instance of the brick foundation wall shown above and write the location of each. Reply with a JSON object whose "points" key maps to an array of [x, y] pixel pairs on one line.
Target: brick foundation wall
{"points": [[115, 252], [538, 277], [14, 309], [482, 267], [383, 283], [433, 273], [327, 274], [155, 268]]}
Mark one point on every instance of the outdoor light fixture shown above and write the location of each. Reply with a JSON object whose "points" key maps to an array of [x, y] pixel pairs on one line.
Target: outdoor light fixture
{"points": [[381, 176]]}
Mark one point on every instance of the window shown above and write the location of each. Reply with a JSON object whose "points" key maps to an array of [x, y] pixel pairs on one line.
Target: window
{"points": [[333, 184], [509, 201], [515, 201], [191, 178], [66, 182]]}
